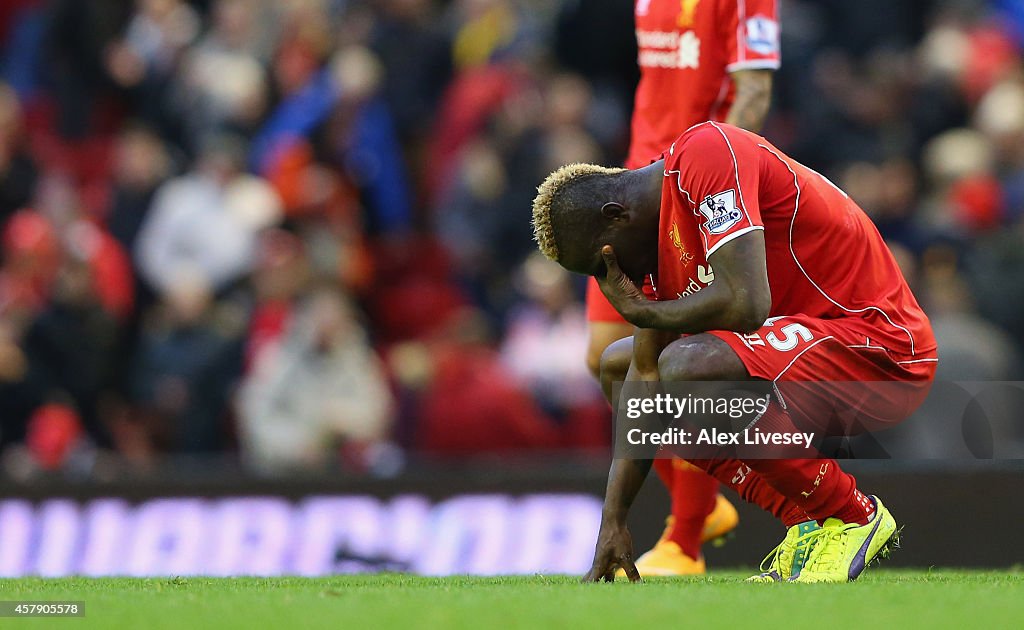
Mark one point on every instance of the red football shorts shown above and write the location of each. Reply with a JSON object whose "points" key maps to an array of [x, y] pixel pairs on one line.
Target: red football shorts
{"points": [[823, 367]]}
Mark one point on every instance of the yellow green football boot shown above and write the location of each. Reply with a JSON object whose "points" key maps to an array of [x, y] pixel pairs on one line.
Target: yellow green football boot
{"points": [[789, 557], [841, 551]]}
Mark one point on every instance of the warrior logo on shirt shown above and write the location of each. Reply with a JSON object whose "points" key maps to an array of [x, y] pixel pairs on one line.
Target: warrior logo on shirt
{"points": [[720, 211]]}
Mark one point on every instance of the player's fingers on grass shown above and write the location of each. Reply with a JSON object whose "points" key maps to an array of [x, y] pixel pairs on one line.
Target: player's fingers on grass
{"points": [[596, 573], [630, 568]]}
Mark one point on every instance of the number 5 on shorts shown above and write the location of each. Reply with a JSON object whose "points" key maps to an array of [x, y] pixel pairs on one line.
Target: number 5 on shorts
{"points": [[790, 336]]}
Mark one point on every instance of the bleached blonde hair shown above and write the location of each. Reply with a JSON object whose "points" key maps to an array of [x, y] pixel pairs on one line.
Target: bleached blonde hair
{"points": [[550, 189]]}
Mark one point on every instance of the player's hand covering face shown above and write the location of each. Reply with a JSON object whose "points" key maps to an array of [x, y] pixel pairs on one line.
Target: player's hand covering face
{"points": [[620, 290]]}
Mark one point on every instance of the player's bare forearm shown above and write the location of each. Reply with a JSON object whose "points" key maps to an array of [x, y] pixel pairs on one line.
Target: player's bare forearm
{"points": [[626, 476], [625, 479], [753, 97], [614, 549], [642, 374], [739, 298], [714, 308]]}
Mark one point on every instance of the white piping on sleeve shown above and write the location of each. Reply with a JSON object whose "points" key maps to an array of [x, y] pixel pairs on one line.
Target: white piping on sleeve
{"points": [[732, 236]]}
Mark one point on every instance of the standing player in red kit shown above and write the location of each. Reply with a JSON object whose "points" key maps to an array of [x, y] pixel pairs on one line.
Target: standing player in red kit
{"points": [[699, 60], [769, 272]]}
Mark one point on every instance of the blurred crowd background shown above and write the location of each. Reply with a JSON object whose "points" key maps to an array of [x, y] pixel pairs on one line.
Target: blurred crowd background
{"points": [[295, 234]]}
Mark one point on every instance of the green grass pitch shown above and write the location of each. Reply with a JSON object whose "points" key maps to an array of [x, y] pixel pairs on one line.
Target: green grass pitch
{"points": [[881, 599]]}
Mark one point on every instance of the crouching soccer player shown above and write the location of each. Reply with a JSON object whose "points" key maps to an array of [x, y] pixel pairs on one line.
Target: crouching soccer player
{"points": [[761, 269]]}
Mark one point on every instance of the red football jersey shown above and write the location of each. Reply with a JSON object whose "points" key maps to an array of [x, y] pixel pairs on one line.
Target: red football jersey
{"points": [[825, 258], [687, 48]]}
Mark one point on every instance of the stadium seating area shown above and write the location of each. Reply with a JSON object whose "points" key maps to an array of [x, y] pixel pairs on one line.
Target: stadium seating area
{"points": [[297, 232]]}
